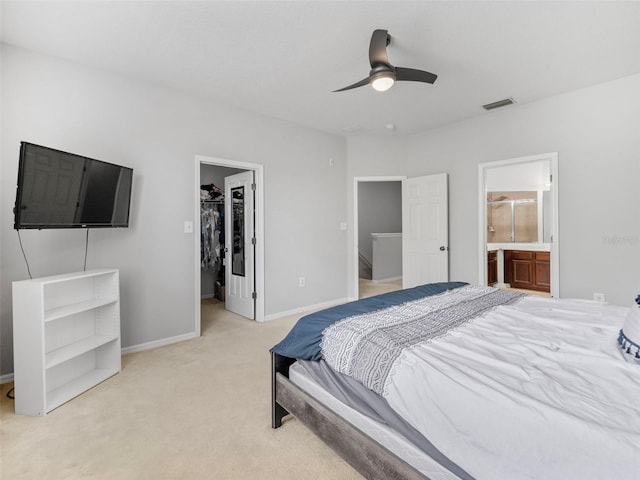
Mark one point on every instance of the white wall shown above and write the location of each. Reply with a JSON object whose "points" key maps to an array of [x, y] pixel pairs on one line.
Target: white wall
{"points": [[529, 176], [158, 132], [387, 257], [596, 134]]}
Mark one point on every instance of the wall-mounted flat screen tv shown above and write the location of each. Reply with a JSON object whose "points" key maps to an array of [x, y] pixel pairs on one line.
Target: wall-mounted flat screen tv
{"points": [[62, 190]]}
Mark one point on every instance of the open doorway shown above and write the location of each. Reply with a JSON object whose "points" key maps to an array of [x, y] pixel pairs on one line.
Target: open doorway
{"points": [[218, 183], [213, 231], [518, 238], [377, 235]]}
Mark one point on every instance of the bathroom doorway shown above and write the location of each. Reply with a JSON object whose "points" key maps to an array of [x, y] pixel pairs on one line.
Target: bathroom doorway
{"points": [[518, 220]]}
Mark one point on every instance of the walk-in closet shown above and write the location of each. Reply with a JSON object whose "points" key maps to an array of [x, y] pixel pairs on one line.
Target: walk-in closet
{"points": [[212, 231]]}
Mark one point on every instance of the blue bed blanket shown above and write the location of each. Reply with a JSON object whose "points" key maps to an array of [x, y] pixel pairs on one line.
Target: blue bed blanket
{"points": [[303, 341]]}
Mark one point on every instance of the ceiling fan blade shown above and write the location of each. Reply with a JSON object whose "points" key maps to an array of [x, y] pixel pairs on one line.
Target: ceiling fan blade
{"points": [[413, 75], [362, 82], [378, 49]]}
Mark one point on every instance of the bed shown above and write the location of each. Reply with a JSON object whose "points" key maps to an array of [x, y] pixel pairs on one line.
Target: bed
{"points": [[455, 381]]}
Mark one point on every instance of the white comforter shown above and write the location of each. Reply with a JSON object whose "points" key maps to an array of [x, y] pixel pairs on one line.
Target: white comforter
{"points": [[535, 390]]}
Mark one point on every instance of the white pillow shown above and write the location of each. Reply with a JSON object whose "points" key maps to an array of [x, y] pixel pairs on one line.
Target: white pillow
{"points": [[629, 338]]}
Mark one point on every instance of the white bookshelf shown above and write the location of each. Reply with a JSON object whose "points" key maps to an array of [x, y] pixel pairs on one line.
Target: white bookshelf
{"points": [[66, 337]]}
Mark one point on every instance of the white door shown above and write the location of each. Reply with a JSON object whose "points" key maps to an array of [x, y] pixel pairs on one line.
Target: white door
{"points": [[239, 244], [425, 230]]}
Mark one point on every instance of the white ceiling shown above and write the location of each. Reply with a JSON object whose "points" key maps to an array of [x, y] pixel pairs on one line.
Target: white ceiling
{"points": [[283, 59]]}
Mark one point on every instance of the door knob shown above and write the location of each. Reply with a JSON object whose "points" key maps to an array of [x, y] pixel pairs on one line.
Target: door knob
{"points": [[443, 248]]}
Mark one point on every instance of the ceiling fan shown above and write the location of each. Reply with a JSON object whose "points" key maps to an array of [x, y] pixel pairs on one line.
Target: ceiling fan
{"points": [[383, 75]]}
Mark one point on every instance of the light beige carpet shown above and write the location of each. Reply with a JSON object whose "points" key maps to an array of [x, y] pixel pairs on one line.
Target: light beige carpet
{"points": [[198, 409]]}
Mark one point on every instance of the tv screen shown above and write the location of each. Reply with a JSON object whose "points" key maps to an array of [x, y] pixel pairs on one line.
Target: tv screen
{"points": [[62, 190]]}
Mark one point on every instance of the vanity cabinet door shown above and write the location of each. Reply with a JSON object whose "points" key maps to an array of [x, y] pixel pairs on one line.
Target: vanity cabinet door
{"points": [[492, 268], [528, 270], [543, 271], [521, 268]]}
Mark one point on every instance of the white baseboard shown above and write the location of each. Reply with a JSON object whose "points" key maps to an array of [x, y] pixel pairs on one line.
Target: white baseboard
{"points": [[206, 295], [158, 343], [385, 280], [307, 309], [6, 378]]}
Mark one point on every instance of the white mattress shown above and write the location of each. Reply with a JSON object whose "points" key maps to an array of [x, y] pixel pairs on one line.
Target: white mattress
{"points": [[395, 443]]}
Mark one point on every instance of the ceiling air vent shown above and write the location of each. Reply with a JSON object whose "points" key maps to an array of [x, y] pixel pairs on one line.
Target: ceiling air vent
{"points": [[498, 104]]}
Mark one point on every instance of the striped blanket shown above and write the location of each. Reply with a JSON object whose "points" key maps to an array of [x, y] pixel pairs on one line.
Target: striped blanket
{"points": [[366, 346]]}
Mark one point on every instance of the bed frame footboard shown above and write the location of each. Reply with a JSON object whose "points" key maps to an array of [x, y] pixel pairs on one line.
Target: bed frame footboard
{"points": [[364, 454], [279, 365]]}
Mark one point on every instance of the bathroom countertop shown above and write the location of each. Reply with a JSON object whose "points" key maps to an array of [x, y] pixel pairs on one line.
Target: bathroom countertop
{"points": [[529, 247]]}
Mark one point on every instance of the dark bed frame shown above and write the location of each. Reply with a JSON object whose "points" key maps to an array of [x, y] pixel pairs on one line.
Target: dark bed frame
{"points": [[363, 453]]}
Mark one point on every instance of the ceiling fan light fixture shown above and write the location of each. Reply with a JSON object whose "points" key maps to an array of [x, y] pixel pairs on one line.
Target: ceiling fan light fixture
{"points": [[383, 75], [383, 81]]}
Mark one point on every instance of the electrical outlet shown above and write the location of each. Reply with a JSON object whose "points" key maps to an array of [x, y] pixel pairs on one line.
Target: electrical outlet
{"points": [[301, 282], [598, 297], [188, 227]]}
